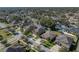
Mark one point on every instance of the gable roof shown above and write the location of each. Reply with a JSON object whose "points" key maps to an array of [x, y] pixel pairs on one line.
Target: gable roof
{"points": [[48, 34], [63, 40]]}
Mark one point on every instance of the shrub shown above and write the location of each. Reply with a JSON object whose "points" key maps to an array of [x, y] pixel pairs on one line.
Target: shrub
{"points": [[1, 37], [7, 44], [4, 41]]}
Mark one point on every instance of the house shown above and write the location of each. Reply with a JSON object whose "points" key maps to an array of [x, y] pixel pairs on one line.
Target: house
{"points": [[49, 35], [15, 49], [56, 18], [73, 37], [39, 29], [60, 26], [73, 21], [64, 41]]}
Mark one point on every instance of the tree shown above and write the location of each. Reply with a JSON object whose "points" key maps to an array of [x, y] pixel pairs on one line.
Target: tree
{"points": [[16, 18], [7, 45], [1, 37], [4, 41], [64, 21], [47, 22]]}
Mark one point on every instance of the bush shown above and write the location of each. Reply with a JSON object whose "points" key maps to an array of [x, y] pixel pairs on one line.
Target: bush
{"points": [[1, 37], [7, 44], [4, 41]]}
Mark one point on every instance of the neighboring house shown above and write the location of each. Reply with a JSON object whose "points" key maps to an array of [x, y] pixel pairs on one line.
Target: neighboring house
{"points": [[75, 30], [60, 26], [27, 22], [15, 49], [39, 29], [72, 20], [49, 35], [73, 37], [55, 18], [28, 28], [64, 41]]}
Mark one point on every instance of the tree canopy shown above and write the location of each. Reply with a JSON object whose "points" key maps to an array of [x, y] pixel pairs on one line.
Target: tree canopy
{"points": [[47, 22]]}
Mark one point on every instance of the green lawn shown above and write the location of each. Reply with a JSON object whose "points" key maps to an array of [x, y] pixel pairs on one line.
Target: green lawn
{"points": [[48, 43]]}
